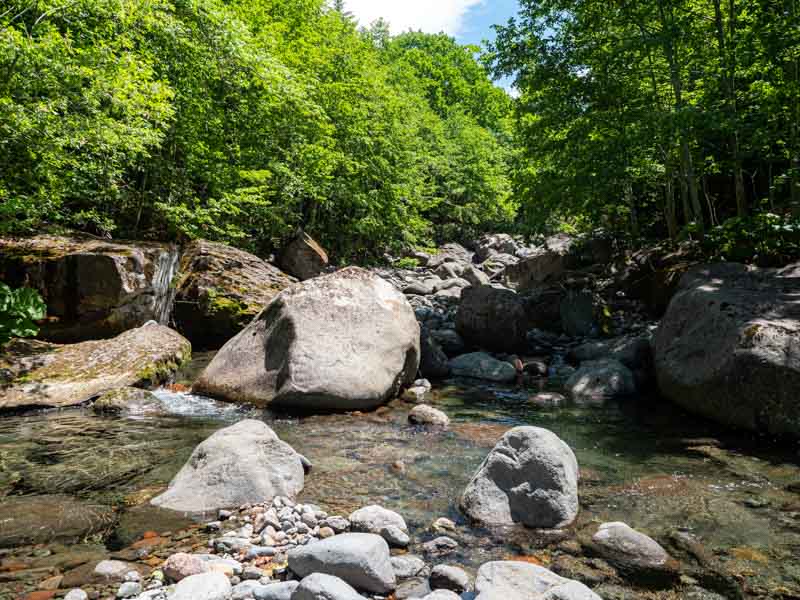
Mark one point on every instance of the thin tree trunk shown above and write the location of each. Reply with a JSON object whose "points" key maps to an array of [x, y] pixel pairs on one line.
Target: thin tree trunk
{"points": [[669, 205]]}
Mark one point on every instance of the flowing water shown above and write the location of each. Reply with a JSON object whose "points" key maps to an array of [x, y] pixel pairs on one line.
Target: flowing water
{"points": [[643, 462]]}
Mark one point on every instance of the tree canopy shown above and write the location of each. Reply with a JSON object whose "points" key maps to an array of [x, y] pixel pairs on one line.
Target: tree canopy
{"points": [[242, 120]]}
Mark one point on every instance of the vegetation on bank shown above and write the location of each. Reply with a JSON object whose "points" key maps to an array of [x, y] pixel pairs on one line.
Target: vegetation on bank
{"points": [[239, 121]]}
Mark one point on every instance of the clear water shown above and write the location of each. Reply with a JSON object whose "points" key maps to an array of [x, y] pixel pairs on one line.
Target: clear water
{"points": [[643, 462]]}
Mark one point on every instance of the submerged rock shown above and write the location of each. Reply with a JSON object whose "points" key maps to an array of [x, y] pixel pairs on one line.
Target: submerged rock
{"points": [[511, 580], [599, 380], [219, 289], [427, 415], [345, 341], [480, 365], [127, 400], [728, 347], [73, 374], [360, 559], [93, 288], [303, 257], [243, 463], [42, 519], [529, 477], [492, 318]]}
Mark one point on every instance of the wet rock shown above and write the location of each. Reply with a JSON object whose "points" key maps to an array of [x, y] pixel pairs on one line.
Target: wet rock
{"points": [[319, 586], [181, 565], [73, 374], [206, 586], [547, 399], [632, 551], [128, 400], [305, 328], [94, 288], [577, 313], [530, 477], [303, 257], [591, 572], [440, 546], [427, 415], [635, 352], [447, 577], [433, 361], [449, 341], [728, 347], [480, 365], [599, 380], [361, 559], [245, 462], [407, 565], [492, 318], [512, 580], [42, 519], [219, 289], [129, 589]]}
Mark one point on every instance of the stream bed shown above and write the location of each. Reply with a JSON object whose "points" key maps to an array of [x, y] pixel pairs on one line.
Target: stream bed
{"points": [[642, 462]]}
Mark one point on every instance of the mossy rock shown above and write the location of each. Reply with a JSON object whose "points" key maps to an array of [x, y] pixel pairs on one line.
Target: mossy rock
{"points": [[73, 374], [220, 289]]}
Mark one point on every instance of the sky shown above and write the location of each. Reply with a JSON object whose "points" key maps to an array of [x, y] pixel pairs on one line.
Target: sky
{"points": [[469, 21]]}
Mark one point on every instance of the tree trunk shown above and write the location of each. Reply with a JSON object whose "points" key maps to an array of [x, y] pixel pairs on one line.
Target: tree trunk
{"points": [[669, 205]]}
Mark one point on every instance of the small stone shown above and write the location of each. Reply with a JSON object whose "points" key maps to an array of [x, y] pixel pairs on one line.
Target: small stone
{"points": [[446, 577], [181, 565], [407, 566], [76, 594], [338, 524], [112, 570], [326, 532], [440, 546], [423, 414], [443, 524], [129, 589], [252, 574], [51, 583]]}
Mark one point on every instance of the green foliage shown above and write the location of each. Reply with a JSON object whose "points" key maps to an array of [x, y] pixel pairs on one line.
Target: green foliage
{"points": [[19, 311], [240, 121], [641, 117], [407, 263], [766, 239]]}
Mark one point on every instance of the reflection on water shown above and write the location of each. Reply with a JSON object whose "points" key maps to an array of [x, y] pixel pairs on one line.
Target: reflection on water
{"points": [[641, 462]]}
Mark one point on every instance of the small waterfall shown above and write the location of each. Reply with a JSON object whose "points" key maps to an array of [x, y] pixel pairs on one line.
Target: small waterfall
{"points": [[163, 290]]}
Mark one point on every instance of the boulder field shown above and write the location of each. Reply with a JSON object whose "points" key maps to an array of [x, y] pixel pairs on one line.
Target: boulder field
{"points": [[345, 341]]}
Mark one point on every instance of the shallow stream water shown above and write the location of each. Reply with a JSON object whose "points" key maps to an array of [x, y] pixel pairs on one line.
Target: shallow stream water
{"points": [[642, 461]]}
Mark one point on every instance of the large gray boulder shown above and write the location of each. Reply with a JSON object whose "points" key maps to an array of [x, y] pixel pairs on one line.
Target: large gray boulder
{"points": [[360, 559], [319, 586], [69, 375], [492, 318], [600, 380], [240, 464], [479, 365], [529, 477], [345, 341], [728, 347], [511, 580]]}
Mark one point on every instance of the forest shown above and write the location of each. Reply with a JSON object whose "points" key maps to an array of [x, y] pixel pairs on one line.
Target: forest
{"points": [[240, 121]]}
